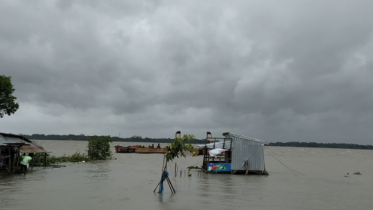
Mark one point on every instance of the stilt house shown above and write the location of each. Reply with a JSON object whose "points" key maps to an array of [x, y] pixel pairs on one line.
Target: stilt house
{"points": [[12, 147], [233, 153]]}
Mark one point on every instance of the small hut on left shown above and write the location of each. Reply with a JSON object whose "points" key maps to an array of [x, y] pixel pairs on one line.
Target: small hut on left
{"points": [[12, 146]]}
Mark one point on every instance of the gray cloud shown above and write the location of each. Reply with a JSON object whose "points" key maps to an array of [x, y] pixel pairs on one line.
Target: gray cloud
{"points": [[289, 71]]}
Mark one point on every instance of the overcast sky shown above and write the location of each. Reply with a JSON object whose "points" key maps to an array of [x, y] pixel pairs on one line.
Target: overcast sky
{"points": [[272, 70]]}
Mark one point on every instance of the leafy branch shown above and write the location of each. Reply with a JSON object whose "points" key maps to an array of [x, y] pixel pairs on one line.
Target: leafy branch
{"points": [[179, 146]]}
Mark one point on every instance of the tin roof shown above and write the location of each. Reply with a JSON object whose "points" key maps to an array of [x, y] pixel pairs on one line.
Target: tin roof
{"points": [[32, 149], [9, 138], [2, 141], [5, 141], [26, 145], [244, 137]]}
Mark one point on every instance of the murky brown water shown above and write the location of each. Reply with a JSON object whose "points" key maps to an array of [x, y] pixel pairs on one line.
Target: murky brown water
{"points": [[128, 183]]}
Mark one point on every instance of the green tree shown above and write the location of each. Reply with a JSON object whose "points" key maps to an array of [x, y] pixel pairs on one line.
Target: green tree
{"points": [[99, 147], [179, 146], [7, 100]]}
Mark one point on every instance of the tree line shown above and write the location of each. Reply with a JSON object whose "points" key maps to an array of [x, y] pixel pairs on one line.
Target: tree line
{"points": [[135, 138], [83, 137], [320, 145]]}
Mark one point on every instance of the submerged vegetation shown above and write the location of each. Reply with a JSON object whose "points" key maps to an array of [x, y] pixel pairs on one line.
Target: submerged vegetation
{"points": [[194, 167], [76, 157], [98, 149], [356, 173]]}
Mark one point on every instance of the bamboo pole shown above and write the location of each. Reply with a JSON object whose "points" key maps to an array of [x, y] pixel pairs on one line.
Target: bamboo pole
{"points": [[170, 184], [167, 179], [163, 169]]}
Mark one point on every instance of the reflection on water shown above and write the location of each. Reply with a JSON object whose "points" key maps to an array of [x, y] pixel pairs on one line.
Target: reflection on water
{"points": [[128, 183]]}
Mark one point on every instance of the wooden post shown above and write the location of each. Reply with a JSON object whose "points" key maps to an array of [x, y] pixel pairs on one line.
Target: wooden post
{"points": [[247, 166], [45, 160], [10, 161], [33, 158], [17, 158]]}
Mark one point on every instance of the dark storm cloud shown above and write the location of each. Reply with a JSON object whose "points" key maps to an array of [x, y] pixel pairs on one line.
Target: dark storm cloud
{"points": [[289, 71]]}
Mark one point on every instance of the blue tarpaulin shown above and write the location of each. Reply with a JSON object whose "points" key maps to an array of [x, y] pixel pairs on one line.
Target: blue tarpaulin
{"points": [[164, 177]]}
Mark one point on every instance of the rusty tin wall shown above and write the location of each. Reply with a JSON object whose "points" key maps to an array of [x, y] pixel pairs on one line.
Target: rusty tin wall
{"points": [[244, 147]]}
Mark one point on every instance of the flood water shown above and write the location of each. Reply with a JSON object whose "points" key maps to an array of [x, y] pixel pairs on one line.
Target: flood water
{"points": [[300, 178]]}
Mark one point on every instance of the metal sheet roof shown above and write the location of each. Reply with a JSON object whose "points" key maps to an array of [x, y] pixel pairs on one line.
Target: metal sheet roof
{"points": [[243, 137], [14, 140], [32, 149], [27, 146], [2, 140], [8, 138]]}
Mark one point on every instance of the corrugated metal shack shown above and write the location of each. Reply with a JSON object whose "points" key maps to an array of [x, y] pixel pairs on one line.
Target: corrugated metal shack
{"points": [[12, 146], [233, 154]]}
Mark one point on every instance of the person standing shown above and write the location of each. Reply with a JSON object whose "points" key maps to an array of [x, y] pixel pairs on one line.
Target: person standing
{"points": [[25, 160]]}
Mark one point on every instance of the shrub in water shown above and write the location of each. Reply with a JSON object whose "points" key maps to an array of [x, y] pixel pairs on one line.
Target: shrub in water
{"points": [[99, 148]]}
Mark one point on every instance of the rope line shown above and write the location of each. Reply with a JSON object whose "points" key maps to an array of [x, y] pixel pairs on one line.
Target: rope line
{"points": [[198, 160], [283, 163]]}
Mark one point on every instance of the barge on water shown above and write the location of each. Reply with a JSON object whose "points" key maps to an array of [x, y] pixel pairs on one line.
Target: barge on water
{"points": [[140, 149], [233, 154]]}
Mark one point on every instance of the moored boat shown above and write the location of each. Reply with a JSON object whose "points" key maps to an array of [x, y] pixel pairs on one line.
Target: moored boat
{"points": [[140, 149], [121, 149]]}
